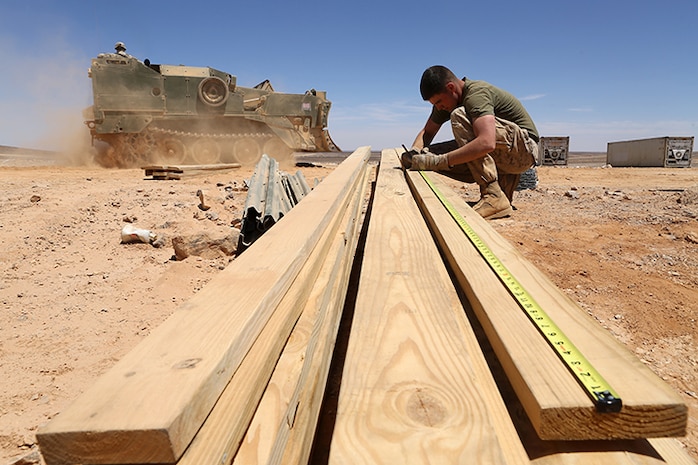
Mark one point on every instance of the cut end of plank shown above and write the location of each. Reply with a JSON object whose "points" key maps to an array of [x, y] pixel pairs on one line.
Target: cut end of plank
{"points": [[632, 422], [106, 447]]}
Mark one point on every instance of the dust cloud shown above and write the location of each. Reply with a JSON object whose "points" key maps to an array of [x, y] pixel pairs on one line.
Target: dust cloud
{"points": [[42, 100]]}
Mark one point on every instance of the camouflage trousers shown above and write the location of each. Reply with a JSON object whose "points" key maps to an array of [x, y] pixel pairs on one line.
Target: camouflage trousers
{"points": [[515, 151]]}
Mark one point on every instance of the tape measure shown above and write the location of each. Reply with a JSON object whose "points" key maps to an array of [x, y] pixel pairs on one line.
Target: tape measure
{"points": [[604, 397]]}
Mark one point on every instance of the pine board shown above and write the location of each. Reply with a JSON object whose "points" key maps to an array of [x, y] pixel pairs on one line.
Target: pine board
{"points": [[175, 172], [416, 388], [283, 426], [557, 406]]}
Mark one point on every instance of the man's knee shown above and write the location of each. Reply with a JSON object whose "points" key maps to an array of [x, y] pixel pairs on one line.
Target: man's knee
{"points": [[461, 126], [516, 151]]}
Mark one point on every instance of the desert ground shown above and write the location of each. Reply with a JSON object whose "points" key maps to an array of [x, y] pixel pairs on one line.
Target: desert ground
{"points": [[621, 242]]}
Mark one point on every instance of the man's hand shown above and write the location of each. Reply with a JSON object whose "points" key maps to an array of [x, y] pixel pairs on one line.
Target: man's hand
{"points": [[428, 161], [406, 158]]}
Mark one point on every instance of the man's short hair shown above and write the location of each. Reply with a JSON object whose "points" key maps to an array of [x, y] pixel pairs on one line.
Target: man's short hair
{"points": [[434, 80]]}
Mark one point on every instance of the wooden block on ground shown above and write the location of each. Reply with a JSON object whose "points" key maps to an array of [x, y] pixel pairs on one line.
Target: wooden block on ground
{"points": [[179, 171]]}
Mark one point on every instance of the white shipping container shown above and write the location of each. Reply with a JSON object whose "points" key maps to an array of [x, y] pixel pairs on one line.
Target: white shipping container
{"points": [[669, 152]]}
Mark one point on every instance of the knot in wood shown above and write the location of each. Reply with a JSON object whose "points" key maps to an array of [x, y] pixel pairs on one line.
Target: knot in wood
{"points": [[188, 363], [426, 409]]}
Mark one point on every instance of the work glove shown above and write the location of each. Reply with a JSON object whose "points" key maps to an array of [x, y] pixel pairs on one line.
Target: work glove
{"points": [[406, 158], [429, 162]]}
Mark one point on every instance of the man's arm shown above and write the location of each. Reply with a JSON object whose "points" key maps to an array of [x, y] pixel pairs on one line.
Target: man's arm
{"points": [[426, 135], [485, 142]]}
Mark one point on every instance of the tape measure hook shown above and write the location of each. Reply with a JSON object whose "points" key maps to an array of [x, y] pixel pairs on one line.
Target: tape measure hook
{"points": [[607, 402]]}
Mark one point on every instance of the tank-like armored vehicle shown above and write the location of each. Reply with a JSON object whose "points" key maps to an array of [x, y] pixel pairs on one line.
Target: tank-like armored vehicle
{"points": [[146, 113]]}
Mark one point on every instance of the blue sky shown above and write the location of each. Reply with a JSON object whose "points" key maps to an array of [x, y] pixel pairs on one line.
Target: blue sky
{"points": [[597, 71]]}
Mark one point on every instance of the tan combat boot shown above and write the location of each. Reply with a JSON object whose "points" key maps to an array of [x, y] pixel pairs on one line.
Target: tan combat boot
{"points": [[509, 183], [493, 202]]}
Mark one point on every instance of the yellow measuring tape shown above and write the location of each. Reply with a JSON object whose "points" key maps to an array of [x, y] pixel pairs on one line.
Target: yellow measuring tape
{"points": [[604, 397]]}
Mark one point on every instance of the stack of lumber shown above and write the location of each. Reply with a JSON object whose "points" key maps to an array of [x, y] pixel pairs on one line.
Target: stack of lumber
{"points": [[415, 386], [441, 366], [556, 405], [175, 172], [156, 405]]}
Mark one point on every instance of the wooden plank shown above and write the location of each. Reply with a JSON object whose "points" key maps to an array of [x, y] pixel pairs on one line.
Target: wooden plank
{"points": [[671, 451], [554, 401], [415, 388], [168, 172], [657, 451], [182, 168], [149, 170], [654, 451], [149, 406], [166, 176], [284, 423], [222, 433]]}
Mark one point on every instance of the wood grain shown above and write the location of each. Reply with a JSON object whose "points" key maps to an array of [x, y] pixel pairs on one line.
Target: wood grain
{"points": [[283, 427], [415, 387], [221, 436], [556, 404], [149, 406]]}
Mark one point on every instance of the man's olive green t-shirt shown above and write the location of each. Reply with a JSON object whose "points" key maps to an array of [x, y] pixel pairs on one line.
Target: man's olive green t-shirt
{"points": [[482, 98]]}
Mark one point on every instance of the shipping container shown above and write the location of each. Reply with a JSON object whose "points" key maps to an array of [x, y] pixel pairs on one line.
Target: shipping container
{"points": [[554, 150], [669, 152]]}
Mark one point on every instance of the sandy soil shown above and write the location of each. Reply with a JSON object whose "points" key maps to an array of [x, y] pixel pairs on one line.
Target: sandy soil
{"points": [[622, 242]]}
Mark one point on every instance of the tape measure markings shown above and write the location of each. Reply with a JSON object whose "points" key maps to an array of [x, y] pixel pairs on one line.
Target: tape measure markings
{"points": [[605, 398]]}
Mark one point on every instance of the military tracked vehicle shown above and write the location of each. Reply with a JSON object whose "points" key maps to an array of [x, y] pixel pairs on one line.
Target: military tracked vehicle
{"points": [[146, 113]]}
